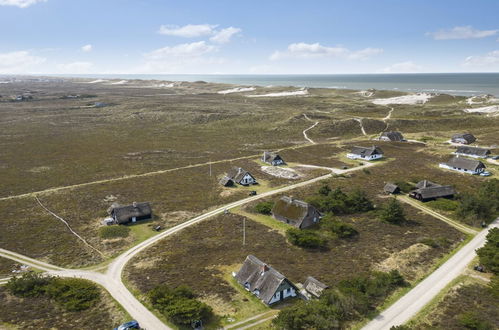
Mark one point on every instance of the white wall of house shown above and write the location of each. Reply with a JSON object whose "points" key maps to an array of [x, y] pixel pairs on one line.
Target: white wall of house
{"points": [[462, 170], [372, 157], [277, 162], [248, 179]]}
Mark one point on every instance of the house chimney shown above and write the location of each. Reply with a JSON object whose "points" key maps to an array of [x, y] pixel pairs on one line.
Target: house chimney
{"points": [[264, 269]]}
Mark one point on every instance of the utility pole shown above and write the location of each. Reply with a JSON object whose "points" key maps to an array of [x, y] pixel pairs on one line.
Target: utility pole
{"points": [[210, 167]]}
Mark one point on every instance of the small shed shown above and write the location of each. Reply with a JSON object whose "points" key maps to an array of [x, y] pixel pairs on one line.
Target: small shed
{"points": [[391, 188], [130, 213], [295, 212], [314, 287]]}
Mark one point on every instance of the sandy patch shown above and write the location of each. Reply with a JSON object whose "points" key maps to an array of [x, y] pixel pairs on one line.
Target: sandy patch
{"points": [[164, 85], [39, 169], [281, 172], [121, 82], [419, 98], [278, 94], [237, 90], [97, 81], [492, 110], [406, 262]]}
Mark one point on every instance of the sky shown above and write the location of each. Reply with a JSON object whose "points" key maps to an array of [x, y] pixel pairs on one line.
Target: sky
{"points": [[248, 37]]}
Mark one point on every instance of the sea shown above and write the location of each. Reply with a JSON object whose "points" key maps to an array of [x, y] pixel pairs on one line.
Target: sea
{"points": [[466, 84]]}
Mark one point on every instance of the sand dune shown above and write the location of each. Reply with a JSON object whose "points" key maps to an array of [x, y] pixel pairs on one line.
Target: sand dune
{"points": [[121, 82], [237, 90], [278, 94], [97, 81], [419, 98]]}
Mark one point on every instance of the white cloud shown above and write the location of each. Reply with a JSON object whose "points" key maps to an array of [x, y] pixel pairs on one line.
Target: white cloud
{"points": [[223, 36], [187, 31], [20, 3], [75, 67], [18, 62], [316, 50], [87, 48], [193, 49], [491, 58], [403, 67], [461, 32]]}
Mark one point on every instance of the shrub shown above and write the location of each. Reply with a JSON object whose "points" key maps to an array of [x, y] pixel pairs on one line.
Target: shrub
{"points": [[489, 253], [483, 205], [179, 305], [444, 204], [114, 231], [393, 213], [305, 238], [436, 242], [338, 202], [339, 228], [264, 207], [70, 293], [471, 320]]}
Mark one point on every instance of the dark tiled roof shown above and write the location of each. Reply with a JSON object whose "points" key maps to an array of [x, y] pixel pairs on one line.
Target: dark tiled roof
{"points": [[365, 151], [393, 136], [473, 151], [257, 275], [465, 163], [314, 286], [469, 138], [123, 214]]}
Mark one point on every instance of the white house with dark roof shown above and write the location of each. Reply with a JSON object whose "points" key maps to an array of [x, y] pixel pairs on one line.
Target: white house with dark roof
{"points": [[464, 165], [264, 282], [272, 159], [365, 153], [240, 176], [474, 152]]}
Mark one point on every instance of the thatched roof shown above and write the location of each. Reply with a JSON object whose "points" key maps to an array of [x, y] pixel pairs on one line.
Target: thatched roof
{"points": [[391, 188], [426, 184], [393, 136], [465, 163], [314, 287], [123, 214], [298, 213], [365, 151], [473, 151], [257, 275], [237, 174], [435, 192], [226, 181], [269, 157], [469, 138]]}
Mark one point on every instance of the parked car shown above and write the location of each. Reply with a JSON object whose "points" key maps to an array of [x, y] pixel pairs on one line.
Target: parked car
{"points": [[479, 268], [485, 173], [495, 157], [128, 325], [252, 193]]}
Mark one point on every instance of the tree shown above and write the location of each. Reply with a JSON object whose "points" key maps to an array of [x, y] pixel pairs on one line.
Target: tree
{"points": [[393, 212], [324, 190], [305, 238], [264, 207], [358, 201], [489, 253]]}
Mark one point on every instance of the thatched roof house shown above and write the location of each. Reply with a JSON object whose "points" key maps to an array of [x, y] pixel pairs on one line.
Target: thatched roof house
{"points": [[295, 212], [392, 136], [472, 152], [265, 282], [130, 213], [272, 159], [427, 190], [391, 188], [464, 165], [226, 181], [314, 287], [463, 138], [365, 153], [241, 176]]}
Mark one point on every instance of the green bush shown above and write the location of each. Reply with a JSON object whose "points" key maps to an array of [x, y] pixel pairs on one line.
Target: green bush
{"points": [[444, 204], [483, 205], [305, 238], [338, 202], [471, 320], [392, 213], [436, 242], [264, 207], [114, 231], [179, 305], [339, 228], [489, 253], [70, 293]]}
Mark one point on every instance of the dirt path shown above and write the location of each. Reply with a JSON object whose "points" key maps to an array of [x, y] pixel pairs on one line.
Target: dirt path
{"points": [[388, 116], [411, 303], [69, 227], [361, 126], [459, 226], [306, 130]]}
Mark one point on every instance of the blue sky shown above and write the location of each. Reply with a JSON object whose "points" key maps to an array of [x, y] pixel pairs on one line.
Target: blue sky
{"points": [[154, 36]]}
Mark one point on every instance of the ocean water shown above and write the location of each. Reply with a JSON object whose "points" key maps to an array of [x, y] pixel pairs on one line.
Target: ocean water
{"points": [[466, 84]]}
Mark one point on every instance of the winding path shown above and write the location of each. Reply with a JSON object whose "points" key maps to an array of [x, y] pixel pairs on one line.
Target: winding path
{"points": [[361, 126], [306, 130]]}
